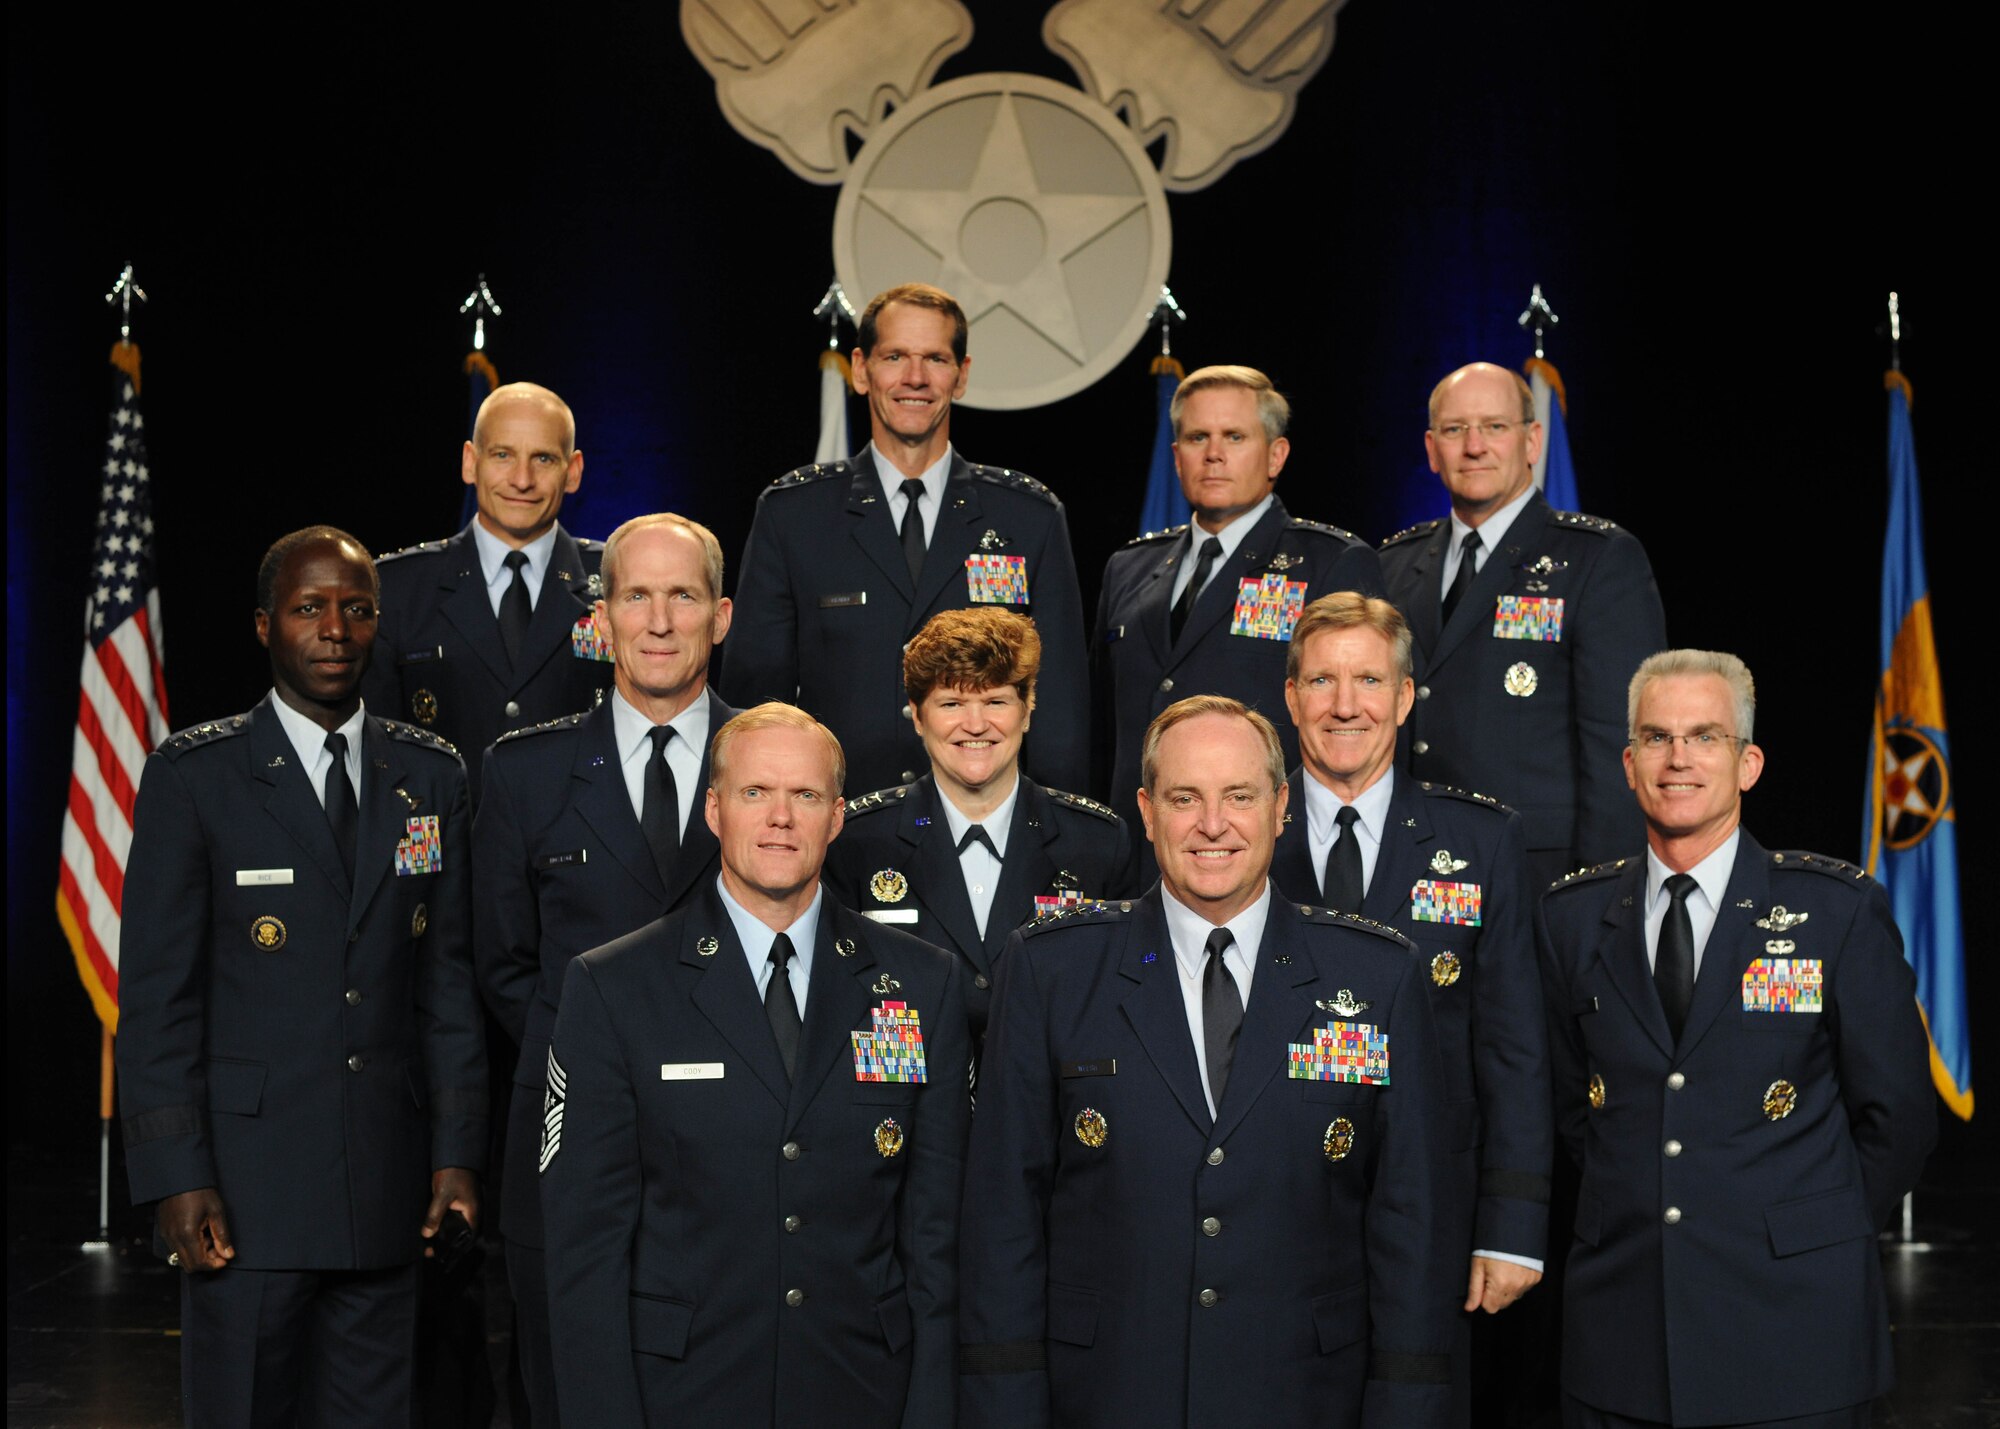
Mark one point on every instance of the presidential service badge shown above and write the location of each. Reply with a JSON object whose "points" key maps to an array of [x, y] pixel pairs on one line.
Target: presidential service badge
{"points": [[888, 1137], [419, 921], [889, 886], [1779, 1099], [1596, 1090], [1520, 680], [1339, 1139], [1445, 969], [268, 934], [1091, 1127], [424, 707]]}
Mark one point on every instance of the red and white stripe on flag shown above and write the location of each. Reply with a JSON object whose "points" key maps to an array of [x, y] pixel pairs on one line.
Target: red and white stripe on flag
{"points": [[122, 707]]}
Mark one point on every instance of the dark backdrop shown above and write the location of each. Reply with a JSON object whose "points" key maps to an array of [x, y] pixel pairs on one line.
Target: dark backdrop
{"points": [[1716, 205]]}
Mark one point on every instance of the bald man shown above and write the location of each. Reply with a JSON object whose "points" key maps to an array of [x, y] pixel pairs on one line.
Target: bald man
{"points": [[493, 630]]}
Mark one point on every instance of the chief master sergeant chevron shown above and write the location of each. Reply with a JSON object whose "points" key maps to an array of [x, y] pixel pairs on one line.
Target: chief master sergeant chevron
{"points": [[845, 562], [1742, 1074], [1208, 1166]]}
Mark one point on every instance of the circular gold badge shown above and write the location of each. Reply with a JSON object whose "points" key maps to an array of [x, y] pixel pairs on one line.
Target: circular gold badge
{"points": [[268, 933], [1521, 679], [707, 946], [1445, 969], [1339, 1139], [889, 886], [419, 920], [888, 1137], [1779, 1099], [1596, 1090], [424, 706], [1091, 1127]]}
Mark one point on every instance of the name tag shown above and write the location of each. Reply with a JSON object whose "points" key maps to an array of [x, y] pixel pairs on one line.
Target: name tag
{"points": [[1095, 1067], [892, 915], [1267, 609], [562, 860], [1116, 632], [1528, 617], [834, 602], [262, 877], [417, 657], [690, 1071]]}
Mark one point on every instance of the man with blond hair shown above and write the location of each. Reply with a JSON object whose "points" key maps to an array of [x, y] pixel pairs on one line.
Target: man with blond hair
{"points": [[1208, 1165], [754, 1137]]}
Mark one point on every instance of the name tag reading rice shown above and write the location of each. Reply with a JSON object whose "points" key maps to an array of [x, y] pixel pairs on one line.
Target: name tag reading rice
{"points": [[690, 1071], [892, 915], [262, 877]]}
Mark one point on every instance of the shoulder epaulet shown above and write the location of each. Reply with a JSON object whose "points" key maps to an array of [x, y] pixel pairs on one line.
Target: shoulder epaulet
{"points": [[422, 548], [1313, 913], [1422, 528], [880, 799], [565, 722], [818, 471], [1818, 863], [1088, 806], [1581, 522], [585, 543], [415, 734], [1018, 480], [1451, 792], [1588, 875], [1167, 535], [1299, 523], [194, 736], [1078, 913]]}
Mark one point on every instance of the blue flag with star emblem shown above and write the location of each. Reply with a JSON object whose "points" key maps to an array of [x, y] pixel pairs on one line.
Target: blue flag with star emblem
{"points": [[1911, 829], [1165, 506]]}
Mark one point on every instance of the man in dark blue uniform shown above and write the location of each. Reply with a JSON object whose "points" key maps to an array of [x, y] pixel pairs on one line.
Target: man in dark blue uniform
{"points": [[1528, 622], [847, 560], [1742, 1074], [303, 1080], [1446, 869], [591, 826], [975, 848], [754, 1141], [491, 630], [1207, 608], [1209, 1163]]}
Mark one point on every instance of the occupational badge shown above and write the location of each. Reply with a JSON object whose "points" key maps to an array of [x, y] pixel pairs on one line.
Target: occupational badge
{"points": [[1436, 901], [889, 886], [268, 933], [1091, 1127], [424, 707], [844, 946], [1784, 985], [586, 639], [996, 580], [410, 800], [421, 849], [708, 945], [1596, 1090], [596, 586], [1343, 1004], [1443, 862], [553, 1097], [1267, 608], [993, 541], [419, 920], [1544, 566], [1779, 1099], [1528, 617], [884, 985], [1780, 947], [1520, 680], [1781, 920], [1339, 1139], [1341, 1052], [888, 1137], [1445, 969], [1284, 561], [892, 1050]]}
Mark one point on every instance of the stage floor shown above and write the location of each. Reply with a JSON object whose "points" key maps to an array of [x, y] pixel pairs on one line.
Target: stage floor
{"points": [[92, 1338]]}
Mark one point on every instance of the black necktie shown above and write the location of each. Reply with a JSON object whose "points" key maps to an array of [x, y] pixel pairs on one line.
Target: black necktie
{"points": [[342, 809], [515, 608], [913, 526], [977, 835], [1204, 562], [1341, 887], [780, 1006], [1673, 959], [660, 809], [1468, 563], [1221, 1014]]}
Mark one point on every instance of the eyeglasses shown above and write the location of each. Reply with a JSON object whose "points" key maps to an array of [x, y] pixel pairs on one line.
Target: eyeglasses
{"points": [[1701, 742], [1492, 431]]}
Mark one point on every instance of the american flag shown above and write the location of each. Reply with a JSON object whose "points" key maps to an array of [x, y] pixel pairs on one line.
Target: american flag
{"points": [[122, 711]]}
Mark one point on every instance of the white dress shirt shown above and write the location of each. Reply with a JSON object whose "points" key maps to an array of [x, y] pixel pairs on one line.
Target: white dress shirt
{"points": [[309, 743], [493, 554], [1231, 536], [757, 937], [1704, 901], [631, 731], [1372, 811], [1188, 931], [1492, 531], [980, 867], [932, 477]]}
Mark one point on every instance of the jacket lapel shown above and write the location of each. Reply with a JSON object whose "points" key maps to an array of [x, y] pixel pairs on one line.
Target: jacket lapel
{"points": [[1403, 857], [565, 597], [386, 808], [1278, 1009], [870, 527], [1291, 862], [1156, 1011], [1732, 942], [837, 1002], [466, 605], [1622, 949], [1028, 869], [726, 994], [940, 882], [1425, 593], [1150, 611], [944, 558], [289, 797], [698, 845], [602, 801]]}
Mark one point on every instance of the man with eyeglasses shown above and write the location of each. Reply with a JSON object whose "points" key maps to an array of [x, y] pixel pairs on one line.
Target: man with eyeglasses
{"points": [[1741, 1072], [1528, 623]]}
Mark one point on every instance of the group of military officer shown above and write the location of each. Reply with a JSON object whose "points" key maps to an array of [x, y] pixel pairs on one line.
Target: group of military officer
{"points": [[996, 1133]]}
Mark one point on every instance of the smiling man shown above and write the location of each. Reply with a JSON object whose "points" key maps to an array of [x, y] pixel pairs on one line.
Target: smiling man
{"points": [[491, 630], [975, 848], [846, 560], [591, 826], [1208, 1166], [754, 1136], [300, 1057], [1208, 608], [1741, 1072]]}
